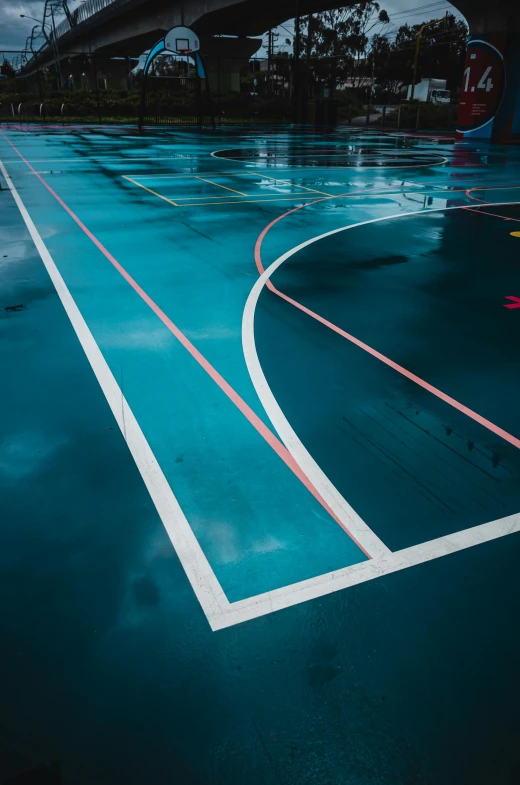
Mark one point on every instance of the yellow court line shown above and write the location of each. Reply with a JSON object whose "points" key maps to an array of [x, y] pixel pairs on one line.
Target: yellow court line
{"points": [[219, 186], [216, 198], [237, 173], [170, 201], [493, 188], [286, 182], [245, 201], [351, 195], [287, 198]]}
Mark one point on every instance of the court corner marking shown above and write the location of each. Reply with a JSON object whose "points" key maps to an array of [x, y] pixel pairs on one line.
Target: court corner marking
{"points": [[218, 610], [328, 583]]}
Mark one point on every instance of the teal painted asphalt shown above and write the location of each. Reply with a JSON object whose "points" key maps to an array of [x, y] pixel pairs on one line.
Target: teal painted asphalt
{"points": [[428, 292], [258, 526], [109, 664]]}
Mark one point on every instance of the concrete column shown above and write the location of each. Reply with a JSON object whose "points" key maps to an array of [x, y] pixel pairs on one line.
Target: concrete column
{"points": [[224, 58], [490, 91]]}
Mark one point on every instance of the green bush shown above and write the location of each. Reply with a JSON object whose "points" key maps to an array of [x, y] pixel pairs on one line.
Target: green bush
{"points": [[77, 104], [123, 106], [432, 117], [349, 105]]}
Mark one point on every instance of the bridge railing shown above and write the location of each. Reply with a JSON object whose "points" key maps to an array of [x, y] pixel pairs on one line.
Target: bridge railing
{"points": [[81, 14]]}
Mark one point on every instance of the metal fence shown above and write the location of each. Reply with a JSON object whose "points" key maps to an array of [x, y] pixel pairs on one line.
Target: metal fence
{"points": [[175, 101], [411, 116], [107, 87]]}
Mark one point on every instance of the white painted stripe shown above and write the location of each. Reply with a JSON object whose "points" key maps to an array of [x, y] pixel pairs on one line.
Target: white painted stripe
{"points": [[276, 600], [197, 568], [219, 611], [338, 504]]}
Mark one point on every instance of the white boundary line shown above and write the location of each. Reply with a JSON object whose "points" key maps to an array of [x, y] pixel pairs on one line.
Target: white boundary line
{"points": [[217, 608], [276, 600], [384, 561], [337, 503], [202, 578], [365, 536]]}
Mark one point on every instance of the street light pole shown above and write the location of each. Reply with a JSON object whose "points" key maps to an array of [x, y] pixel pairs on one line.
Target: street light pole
{"points": [[31, 38], [25, 16], [269, 59], [416, 60], [308, 57], [296, 75], [57, 63]]}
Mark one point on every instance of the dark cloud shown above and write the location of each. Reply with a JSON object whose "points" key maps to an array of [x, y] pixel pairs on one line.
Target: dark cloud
{"points": [[13, 30]]}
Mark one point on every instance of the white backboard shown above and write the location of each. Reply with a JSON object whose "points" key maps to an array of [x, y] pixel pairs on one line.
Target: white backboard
{"points": [[181, 40]]}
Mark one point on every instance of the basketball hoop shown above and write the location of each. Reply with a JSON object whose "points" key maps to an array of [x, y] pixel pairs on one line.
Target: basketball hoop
{"points": [[181, 41]]}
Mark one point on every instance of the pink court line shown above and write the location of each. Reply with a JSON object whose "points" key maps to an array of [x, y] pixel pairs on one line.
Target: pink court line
{"points": [[479, 209], [258, 244], [478, 188], [508, 437], [493, 215], [226, 388]]}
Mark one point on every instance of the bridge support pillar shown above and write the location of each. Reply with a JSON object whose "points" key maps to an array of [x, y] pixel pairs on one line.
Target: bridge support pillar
{"points": [[224, 59], [490, 91]]}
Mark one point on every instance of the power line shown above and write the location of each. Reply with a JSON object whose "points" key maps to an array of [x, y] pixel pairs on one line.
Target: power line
{"points": [[421, 13], [394, 32], [428, 9]]}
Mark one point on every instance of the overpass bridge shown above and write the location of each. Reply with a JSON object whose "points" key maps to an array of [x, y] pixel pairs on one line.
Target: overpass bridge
{"points": [[121, 26], [491, 84]]}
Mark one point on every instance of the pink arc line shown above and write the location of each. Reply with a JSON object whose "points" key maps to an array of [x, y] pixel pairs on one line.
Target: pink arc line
{"points": [[260, 239], [479, 209], [261, 236], [475, 198], [399, 368], [226, 388]]}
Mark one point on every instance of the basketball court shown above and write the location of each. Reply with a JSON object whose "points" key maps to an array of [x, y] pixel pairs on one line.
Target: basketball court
{"points": [[262, 465]]}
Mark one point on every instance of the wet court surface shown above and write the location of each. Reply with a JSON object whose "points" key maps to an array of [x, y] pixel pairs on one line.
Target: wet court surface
{"points": [[259, 457]]}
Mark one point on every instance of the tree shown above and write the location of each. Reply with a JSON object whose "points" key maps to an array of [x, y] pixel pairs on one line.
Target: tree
{"points": [[336, 42], [393, 65], [441, 54]]}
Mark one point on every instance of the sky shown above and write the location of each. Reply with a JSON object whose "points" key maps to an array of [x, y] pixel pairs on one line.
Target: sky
{"points": [[14, 31], [400, 12]]}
